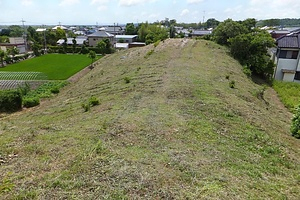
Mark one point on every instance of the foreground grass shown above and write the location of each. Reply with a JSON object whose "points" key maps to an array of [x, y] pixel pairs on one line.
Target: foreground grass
{"points": [[55, 66], [289, 93], [168, 127]]}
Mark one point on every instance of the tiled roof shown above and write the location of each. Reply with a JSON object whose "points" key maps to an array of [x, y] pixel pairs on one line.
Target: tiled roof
{"points": [[101, 34], [289, 41]]}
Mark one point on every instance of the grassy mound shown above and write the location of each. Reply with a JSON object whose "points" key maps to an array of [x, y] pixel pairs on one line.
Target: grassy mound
{"points": [[168, 126]]}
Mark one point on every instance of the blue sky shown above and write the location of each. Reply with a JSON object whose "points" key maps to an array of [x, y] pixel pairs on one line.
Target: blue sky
{"points": [[83, 12]]}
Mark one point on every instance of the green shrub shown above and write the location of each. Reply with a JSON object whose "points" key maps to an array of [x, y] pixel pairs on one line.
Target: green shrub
{"points": [[227, 77], [295, 127], [127, 79], [156, 43], [247, 71], [232, 84], [54, 90], [31, 102], [93, 101], [10, 100], [86, 107], [24, 89], [149, 53]]}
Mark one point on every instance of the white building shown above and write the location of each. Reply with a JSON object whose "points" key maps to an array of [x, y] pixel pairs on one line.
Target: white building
{"points": [[287, 58]]}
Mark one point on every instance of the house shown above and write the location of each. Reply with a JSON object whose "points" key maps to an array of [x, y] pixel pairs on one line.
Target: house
{"points": [[278, 33], [115, 30], [96, 37], [17, 42], [199, 33], [61, 27], [79, 41], [287, 58], [126, 38]]}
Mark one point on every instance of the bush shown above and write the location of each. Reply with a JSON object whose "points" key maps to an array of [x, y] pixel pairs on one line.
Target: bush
{"points": [[232, 84], [10, 100], [295, 127], [31, 102], [54, 90], [127, 79], [86, 107], [247, 71], [93, 101]]}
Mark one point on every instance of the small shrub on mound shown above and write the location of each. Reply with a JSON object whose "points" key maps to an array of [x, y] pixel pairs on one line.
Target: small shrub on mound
{"points": [[232, 84], [54, 90], [31, 102], [10, 100], [94, 101], [295, 127]]}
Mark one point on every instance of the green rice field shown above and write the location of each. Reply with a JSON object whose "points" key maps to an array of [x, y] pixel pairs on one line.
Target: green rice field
{"points": [[54, 66]]}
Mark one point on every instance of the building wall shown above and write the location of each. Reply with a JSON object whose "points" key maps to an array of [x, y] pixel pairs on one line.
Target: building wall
{"points": [[289, 64], [288, 77], [93, 41]]}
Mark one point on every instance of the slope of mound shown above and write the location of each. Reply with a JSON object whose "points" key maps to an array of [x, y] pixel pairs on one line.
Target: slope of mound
{"points": [[168, 127]]}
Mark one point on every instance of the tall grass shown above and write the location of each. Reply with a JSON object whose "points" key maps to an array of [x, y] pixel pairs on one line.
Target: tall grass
{"points": [[289, 93]]}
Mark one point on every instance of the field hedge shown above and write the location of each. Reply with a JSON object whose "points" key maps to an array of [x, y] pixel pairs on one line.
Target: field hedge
{"points": [[10, 100]]}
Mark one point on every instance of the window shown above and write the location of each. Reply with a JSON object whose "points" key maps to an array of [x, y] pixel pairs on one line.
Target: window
{"points": [[288, 54], [297, 76]]}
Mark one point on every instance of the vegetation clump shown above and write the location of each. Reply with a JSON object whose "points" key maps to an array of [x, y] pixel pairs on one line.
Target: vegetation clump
{"points": [[10, 100], [295, 127], [92, 101]]}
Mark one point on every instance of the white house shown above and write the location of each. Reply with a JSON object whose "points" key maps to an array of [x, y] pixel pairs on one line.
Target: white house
{"points": [[287, 58], [96, 37]]}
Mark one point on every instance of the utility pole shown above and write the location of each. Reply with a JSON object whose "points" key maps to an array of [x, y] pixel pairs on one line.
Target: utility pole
{"points": [[45, 43], [24, 35]]}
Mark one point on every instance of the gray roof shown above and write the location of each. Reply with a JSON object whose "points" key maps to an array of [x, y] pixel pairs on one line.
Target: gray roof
{"points": [[79, 41], [102, 34], [125, 36], [289, 41]]}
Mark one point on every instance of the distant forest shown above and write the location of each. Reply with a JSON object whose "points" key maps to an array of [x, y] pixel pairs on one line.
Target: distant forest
{"points": [[287, 22]]}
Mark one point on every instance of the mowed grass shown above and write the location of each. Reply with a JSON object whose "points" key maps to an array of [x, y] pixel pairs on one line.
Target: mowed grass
{"points": [[168, 127], [289, 93], [55, 66]]}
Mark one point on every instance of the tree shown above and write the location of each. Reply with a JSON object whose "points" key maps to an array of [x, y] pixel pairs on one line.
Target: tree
{"points": [[211, 23], [249, 23], [295, 127], [15, 31], [172, 31], [74, 44], [226, 30], [92, 55], [101, 46], [60, 34], [35, 49], [143, 31], [2, 55], [130, 29], [251, 49], [13, 52]]}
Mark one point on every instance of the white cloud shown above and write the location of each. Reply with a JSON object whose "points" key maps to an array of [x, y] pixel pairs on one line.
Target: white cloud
{"points": [[194, 1], [68, 2], [134, 2], [26, 2], [93, 2], [184, 12], [102, 8]]}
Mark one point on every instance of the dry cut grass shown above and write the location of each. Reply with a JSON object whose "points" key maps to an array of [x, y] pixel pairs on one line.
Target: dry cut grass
{"points": [[168, 127]]}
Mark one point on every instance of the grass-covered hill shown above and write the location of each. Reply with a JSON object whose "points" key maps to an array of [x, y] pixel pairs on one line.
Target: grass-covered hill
{"points": [[168, 127]]}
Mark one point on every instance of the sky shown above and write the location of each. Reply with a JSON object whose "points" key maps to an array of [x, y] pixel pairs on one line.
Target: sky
{"points": [[93, 12]]}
